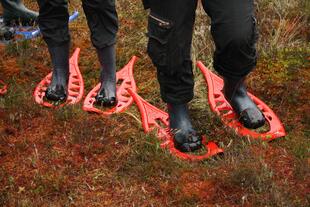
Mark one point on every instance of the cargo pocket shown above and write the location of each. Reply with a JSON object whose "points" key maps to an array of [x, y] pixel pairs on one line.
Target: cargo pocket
{"points": [[159, 31]]}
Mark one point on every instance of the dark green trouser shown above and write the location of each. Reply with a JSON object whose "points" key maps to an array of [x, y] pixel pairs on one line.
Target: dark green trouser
{"points": [[101, 17], [170, 31]]}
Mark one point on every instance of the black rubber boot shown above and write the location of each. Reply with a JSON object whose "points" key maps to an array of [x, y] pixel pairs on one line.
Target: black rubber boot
{"points": [[107, 93], [6, 33], [185, 137], [236, 94], [15, 12], [57, 90]]}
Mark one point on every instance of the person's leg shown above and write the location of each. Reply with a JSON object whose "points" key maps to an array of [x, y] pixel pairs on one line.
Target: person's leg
{"points": [[53, 23], [233, 27], [170, 29], [15, 11], [103, 23], [107, 92], [146, 4]]}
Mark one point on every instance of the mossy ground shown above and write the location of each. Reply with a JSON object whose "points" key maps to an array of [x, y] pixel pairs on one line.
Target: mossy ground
{"points": [[67, 157]]}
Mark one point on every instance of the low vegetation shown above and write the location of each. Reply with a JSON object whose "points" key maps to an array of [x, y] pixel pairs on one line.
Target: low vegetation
{"points": [[67, 157]]}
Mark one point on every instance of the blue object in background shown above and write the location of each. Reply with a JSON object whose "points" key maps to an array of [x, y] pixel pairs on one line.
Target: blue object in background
{"points": [[27, 35]]}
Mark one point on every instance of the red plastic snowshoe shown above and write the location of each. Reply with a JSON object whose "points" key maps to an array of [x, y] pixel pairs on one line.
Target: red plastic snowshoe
{"points": [[125, 76], [221, 107], [154, 118], [75, 86], [4, 88]]}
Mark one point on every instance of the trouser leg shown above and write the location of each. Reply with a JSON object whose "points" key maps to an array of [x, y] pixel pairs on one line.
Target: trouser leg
{"points": [[102, 20], [53, 22], [170, 29], [146, 4], [233, 28]]}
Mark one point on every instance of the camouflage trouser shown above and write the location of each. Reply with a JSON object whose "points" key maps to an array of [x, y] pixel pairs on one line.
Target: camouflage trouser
{"points": [[101, 17], [170, 30]]}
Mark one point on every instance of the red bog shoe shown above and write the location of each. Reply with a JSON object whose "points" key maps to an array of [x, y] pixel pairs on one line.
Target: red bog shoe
{"points": [[221, 107], [124, 100], [4, 88], [75, 85], [153, 118]]}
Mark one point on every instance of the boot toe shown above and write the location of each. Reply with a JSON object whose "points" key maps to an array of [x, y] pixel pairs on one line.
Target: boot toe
{"points": [[7, 33], [252, 118], [102, 100], [187, 142], [56, 95]]}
